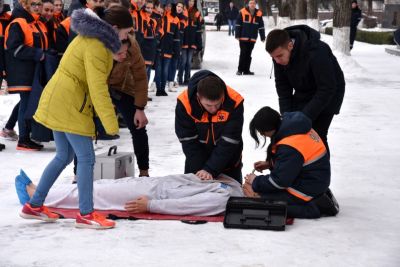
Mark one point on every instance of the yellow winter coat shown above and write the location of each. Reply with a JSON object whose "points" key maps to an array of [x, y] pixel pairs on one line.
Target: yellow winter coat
{"points": [[79, 86]]}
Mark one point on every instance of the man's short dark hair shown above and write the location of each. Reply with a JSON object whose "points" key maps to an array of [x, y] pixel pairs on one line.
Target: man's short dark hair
{"points": [[211, 87], [276, 38]]}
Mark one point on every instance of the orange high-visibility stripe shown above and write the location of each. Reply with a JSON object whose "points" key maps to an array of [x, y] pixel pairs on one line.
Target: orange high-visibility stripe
{"points": [[19, 88], [298, 194], [309, 145], [66, 23]]}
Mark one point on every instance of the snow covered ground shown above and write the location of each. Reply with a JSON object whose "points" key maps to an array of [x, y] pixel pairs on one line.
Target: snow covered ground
{"points": [[365, 152]]}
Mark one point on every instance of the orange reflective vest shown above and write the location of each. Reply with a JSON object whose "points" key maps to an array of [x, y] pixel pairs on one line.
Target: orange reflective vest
{"points": [[310, 146], [29, 30]]}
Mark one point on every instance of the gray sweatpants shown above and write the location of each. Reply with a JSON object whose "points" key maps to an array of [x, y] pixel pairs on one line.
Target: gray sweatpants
{"points": [[182, 194]]}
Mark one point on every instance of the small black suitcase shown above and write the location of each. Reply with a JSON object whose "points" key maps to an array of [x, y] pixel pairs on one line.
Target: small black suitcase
{"points": [[255, 213]]}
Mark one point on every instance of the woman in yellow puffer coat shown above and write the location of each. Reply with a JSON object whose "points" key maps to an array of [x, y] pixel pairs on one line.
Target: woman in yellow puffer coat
{"points": [[67, 106]]}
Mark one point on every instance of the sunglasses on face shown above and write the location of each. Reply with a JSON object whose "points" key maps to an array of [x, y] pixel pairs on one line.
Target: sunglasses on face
{"points": [[33, 4], [48, 10]]}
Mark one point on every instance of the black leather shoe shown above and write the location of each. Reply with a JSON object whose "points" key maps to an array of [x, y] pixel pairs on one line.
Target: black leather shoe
{"points": [[239, 73], [248, 73], [161, 93]]}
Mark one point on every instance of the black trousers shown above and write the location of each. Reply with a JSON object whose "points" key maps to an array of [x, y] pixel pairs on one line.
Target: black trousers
{"points": [[296, 207], [246, 48], [353, 33], [125, 105], [13, 118], [321, 126]]}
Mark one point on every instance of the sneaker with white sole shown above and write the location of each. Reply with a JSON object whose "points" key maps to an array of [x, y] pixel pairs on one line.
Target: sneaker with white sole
{"points": [[9, 134], [40, 213], [93, 220], [171, 87], [152, 87]]}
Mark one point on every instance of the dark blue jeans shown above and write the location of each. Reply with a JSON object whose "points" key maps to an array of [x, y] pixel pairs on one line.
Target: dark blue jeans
{"points": [[161, 74], [173, 66], [23, 124], [13, 118], [126, 106], [186, 65]]}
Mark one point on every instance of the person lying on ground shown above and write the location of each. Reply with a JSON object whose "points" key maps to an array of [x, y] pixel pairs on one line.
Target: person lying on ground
{"points": [[180, 194]]}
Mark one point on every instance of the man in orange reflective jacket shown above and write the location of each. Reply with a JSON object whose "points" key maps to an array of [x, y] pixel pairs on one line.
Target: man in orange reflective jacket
{"points": [[208, 123]]}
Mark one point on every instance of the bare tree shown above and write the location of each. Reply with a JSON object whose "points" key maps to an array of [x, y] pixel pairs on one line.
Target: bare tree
{"points": [[341, 26], [270, 16], [292, 10], [312, 14], [301, 11]]}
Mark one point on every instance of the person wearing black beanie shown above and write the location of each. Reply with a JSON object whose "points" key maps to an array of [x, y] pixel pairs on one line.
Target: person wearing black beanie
{"points": [[298, 162]]}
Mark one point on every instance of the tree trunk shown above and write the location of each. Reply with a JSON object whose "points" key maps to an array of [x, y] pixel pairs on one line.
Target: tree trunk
{"points": [[312, 14], [270, 16], [369, 11], [301, 9], [262, 6], [301, 12], [292, 10], [284, 14], [341, 26]]}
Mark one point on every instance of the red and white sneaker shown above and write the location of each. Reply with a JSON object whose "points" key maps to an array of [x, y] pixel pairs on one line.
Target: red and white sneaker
{"points": [[93, 220], [41, 213]]}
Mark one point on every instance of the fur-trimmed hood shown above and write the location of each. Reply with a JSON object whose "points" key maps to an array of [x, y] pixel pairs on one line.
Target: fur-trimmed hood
{"points": [[86, 23]]}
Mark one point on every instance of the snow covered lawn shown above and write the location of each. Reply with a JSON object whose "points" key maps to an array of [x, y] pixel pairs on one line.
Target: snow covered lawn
{"points": [[365, 148]]}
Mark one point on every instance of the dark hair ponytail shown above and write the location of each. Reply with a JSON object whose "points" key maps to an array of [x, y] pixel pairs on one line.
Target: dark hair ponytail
{"points": [[115, 15], [265, 120]]}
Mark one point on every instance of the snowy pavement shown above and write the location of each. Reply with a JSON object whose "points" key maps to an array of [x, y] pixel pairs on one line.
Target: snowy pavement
{"points": [[365, 152]]}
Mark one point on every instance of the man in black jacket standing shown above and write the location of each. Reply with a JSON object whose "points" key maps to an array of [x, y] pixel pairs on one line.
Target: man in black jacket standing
{"points": [[308, 77], [356, 16], [208, 123]]}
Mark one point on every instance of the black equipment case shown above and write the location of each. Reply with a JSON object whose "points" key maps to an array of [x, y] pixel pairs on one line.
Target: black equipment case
{"points": [[255, 213]]}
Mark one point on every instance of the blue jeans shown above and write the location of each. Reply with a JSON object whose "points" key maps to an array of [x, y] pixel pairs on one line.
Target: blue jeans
{"points": [[173, 65], [148, 72], [186, 65], [232, 25], [67, 145], [23, 124], [161, 74]]}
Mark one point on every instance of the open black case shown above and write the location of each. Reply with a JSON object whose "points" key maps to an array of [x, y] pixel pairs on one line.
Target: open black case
{"points": [[255, 213]]}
